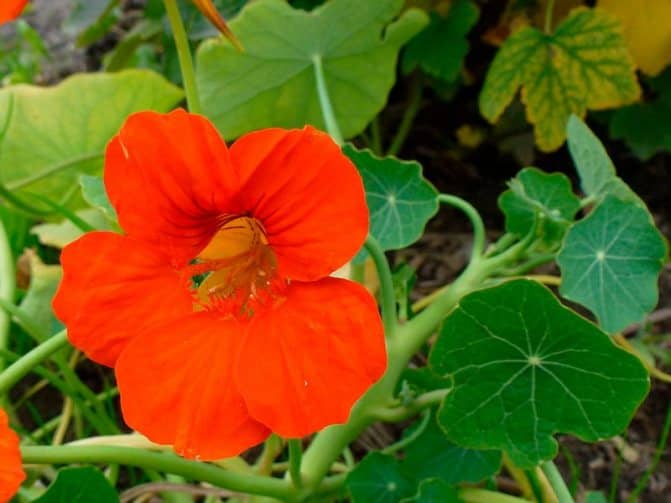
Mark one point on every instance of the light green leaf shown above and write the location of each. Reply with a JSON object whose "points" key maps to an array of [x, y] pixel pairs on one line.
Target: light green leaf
{"points": [[536, 195], [378, 478], [79, 485], [432, 455], [583, 65], [49, 136], [525, 367], [272, 83], [434, 491], [399, 198], [610, 262], [94, 193], [60, 234], [595, 497], [441, 47], [36, 304], [596, 170]]}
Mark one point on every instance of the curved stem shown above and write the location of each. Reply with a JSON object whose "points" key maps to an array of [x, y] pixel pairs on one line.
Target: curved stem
{"points": [[557, 482], [7, 286], [325, 101], [652, 370], [414, 103], [295, 457], [12, 374], [484, 496], [387, 295], [476, 221], [184, 55], [390, 449], [248, 483]]}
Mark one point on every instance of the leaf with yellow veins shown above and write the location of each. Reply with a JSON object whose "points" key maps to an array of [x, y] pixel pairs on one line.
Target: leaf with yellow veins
{"points": [[583, 65], [647, 29]]}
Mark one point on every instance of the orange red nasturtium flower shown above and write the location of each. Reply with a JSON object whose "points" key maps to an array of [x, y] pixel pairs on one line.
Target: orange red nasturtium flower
{"points": [[11, 472], [11, 9], [216, 307]]}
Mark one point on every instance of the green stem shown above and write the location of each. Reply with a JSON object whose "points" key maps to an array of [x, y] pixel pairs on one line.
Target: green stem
{"points": [[426, 417], [325, 101], [414, 103], [24, 321], [549, 11], [13, 374], [184, 55], [247, 483], [557, 482], [476, 221], [295, 456], [388, 297], [484, 496], [7, 286]]}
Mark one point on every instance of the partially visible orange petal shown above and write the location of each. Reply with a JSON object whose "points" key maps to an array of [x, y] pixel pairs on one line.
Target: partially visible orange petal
{"points": [[306, 361], [170, 179], [11, 472], [177, 388], [11, 9], [211, 12], [112, 288], [307, 194]]}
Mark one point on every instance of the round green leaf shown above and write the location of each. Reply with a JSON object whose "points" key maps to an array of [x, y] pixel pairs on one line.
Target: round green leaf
{"points": [[535, 195], [525, 367], [434, 491], [399, 198], [378, 478], [50, 135], [610, 262], [272, 83], [79, 485], [432, 455]]}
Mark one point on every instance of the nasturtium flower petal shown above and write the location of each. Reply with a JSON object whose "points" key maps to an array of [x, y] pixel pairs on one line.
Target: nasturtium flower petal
{"points": [[169, 177], [215, 307], [114, 286], [11, 472], [176, 387], [302, 366], [11, 9], [309, 196]]}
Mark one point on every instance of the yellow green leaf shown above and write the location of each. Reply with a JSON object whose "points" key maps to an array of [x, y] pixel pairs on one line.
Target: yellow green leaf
{"points": [[583, 65], [647, 29]]}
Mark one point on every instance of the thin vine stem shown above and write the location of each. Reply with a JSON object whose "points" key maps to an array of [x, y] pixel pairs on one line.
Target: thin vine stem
{"points": [[414, 104], [7, 286], [549, 12], [388, 298], [557, 482], [325, 101], [184, 56], [13, 374], [295, 456], [476, 221], [426, 417]]}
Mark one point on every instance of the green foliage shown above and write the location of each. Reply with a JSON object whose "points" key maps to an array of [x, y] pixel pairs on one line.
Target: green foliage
{"points": [[378, 478], [610, 262], [93, 191], [432, 455], [596, 170], [79, 485], [400, 200], [21, 58], [440, 49], [36, 304], [272, 83], [433, 491], [46, 146], [57, 235], [646, 127], [525, 367], [583, 65], [538, 196], [90, 20]]}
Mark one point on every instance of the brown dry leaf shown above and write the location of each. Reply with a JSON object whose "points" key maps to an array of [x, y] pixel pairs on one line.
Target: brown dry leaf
{"points": [[647, 28]]}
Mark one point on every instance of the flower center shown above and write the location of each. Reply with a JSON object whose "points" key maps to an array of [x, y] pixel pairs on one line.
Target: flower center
{"points": [[236, 272]]}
